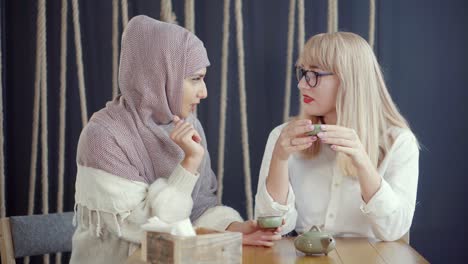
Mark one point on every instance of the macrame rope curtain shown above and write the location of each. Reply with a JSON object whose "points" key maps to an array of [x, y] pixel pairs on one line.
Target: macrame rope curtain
{"points": [[40, 105]]}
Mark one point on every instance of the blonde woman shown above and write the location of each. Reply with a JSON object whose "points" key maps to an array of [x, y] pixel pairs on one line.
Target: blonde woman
{"points": [[359, 175]]}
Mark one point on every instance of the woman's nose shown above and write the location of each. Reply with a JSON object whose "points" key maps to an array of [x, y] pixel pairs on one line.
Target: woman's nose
{"points": [[302, 84], [203, 93]]}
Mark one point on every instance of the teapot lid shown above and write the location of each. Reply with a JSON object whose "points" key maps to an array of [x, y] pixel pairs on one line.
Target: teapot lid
{"points": [[316, 231]]}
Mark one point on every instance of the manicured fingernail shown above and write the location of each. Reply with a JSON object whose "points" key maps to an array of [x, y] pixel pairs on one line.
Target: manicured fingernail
{"points": [[333, 147], [314, 138], [323, 127], [321, 135], [311, 127]]}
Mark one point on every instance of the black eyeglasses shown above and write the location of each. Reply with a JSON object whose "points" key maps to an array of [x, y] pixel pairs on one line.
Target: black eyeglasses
{"points": [[310, 76]]}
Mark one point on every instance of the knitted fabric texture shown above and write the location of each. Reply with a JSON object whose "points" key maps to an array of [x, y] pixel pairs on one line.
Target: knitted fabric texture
{"points": [[130, 136]]}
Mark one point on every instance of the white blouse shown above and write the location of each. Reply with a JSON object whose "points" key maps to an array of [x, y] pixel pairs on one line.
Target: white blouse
{"points": [[319, 194]]}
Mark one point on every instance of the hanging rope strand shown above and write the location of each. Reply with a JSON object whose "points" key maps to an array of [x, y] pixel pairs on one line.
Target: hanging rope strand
{"points": [[300, 26], [223, 98], [287, 86], [329, 16], [79, 61], [124, 13], [372, 23], [44, 121], [190, 15], [36, 109], [332, 15], [300, 36], [44, 126], [166, 12], [243, 106], [336, 15], [115, 47], [189, 8], [2, 154], [63, 104], [62, 112]]}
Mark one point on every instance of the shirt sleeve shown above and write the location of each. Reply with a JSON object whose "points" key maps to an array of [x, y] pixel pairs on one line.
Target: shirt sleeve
{"points": [[264, 203], [218, 218], [391, 209]]}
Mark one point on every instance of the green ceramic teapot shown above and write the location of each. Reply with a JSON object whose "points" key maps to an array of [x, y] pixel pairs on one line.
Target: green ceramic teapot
{"points": [[315, 242]]}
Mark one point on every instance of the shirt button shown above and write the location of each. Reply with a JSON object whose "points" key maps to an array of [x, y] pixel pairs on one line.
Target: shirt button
{"points": [[331, 216], [336, 185]]}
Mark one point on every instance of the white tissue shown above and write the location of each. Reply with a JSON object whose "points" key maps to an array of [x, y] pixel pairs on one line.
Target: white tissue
{"points": [[181, 228]]}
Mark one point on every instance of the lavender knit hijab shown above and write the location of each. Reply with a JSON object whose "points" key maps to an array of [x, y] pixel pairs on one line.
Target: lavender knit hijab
{"points": [[130, 136]]}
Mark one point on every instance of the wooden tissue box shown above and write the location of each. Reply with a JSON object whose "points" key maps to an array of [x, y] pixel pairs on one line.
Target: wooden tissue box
{"points": [[207, 246]]}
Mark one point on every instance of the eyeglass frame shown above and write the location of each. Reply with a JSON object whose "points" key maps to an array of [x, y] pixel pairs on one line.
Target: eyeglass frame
{"points": [[304, 72]]}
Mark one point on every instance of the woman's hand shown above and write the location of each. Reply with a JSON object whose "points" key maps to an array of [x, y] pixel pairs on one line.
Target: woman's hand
{"points": [[253, 235], [188, 139], [345, 140], [294, 139]]}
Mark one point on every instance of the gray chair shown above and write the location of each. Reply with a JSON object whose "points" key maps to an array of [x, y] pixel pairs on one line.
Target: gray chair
{"points": [[33, 235]]}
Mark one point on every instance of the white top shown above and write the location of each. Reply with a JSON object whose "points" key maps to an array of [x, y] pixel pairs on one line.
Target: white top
{"points": [[109, 211], [319, 194]]}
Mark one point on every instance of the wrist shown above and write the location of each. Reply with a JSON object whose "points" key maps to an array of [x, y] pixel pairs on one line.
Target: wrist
{"points": [[281, 158], [278, 156], [191, 164], [364, 168]]}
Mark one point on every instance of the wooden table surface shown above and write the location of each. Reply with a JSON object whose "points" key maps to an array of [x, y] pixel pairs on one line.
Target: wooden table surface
{"points": [[348, 250]]}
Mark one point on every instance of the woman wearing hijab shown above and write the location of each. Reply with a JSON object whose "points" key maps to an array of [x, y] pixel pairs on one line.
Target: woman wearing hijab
{"points": [[145, 154]]}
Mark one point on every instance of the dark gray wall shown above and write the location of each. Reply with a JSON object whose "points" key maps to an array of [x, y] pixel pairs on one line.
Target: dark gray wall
{"points": [[421, 46]]}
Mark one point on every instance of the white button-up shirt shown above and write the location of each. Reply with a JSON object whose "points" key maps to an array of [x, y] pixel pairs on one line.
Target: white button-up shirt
{"points": [[319, 194]]}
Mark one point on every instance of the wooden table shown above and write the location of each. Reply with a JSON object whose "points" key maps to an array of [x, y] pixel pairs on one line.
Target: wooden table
{"points": [[348, 250]]}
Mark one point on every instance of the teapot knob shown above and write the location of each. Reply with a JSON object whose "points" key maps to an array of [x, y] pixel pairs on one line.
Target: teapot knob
{"points": [[315, 228]]}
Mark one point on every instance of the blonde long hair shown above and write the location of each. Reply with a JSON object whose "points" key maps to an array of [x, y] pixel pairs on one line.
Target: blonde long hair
{"points": [[363, 102]]}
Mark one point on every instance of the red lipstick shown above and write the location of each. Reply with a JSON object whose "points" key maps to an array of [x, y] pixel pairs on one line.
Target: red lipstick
{"points": [[307, 99]]}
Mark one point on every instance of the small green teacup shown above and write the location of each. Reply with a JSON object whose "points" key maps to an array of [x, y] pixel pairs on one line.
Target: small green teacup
{"points": [[317, 129], [270, 221]]}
